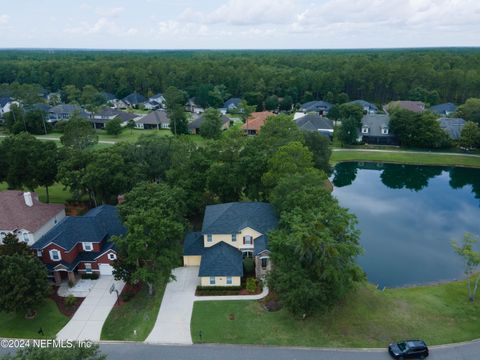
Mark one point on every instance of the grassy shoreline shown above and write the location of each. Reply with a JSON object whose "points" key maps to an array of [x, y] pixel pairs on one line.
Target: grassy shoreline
{"points": [[439, 314], [406, 157]]}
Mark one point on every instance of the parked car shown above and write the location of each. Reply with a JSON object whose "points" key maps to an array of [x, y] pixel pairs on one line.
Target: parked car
{"points": [[409, 349]]}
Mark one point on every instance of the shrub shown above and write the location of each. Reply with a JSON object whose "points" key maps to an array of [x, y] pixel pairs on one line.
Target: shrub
{"points": [[70, 300], [60, 126], [92, 276], [70, 283], [127, 296], [249, 266], [251, 285], [217, 290]]}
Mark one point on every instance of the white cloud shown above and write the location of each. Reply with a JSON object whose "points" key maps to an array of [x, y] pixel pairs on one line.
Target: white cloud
{"points": [[102, 25], [4, 19], [245, 12], [110, 12]]}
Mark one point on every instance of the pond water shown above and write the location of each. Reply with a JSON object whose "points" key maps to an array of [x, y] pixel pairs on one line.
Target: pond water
{"points": [[408, 216]]}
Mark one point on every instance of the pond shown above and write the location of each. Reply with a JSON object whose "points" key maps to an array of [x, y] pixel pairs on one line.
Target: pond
{"points": [[407, 216]]}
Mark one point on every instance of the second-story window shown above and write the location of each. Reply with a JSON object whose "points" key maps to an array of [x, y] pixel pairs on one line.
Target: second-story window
{"points": [[364, 130], [25, 237], [55, 255], [234, 237], [209, 238], [87, 246], [247, 240]]}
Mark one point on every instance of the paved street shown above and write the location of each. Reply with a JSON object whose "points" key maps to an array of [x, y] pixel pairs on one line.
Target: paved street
{"points": [[469, 351], [88, 320], [173, 321]]}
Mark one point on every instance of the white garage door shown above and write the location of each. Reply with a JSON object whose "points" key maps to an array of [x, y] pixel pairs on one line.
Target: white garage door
{"points": [[105, 269]]}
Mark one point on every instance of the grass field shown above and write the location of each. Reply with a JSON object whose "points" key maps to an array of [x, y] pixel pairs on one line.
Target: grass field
{"points": [[367, 318], [57, 194], [49, 319], [403, 157], [137, 314]]}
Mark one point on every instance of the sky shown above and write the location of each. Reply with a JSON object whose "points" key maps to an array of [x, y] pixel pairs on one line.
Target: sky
{"points": [[238, 24]]}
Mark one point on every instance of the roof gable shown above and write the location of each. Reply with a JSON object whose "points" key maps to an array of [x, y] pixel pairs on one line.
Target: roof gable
{"points": [[221, 259]]}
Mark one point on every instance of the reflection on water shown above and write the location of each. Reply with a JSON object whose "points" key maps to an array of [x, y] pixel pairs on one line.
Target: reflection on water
{"points": [[408, 215]]}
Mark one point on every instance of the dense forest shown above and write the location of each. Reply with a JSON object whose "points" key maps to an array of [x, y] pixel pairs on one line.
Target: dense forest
{"points": [[430, 75]]}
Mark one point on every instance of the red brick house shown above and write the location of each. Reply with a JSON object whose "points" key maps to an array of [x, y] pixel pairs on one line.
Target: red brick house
{"points": [[81, 244]]}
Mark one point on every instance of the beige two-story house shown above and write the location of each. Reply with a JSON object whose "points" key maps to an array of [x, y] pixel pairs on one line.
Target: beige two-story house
{"points": [[230, 233]]}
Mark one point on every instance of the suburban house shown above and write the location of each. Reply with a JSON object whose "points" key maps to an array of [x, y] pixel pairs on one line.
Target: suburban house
{"points": [[230, 233], [25, 216], [318, 106], [452, 126], [109, 98], [194, 126], [255, 122], [81, 244], [100, 118], [159, 98], [65, 112], [157, 119], [375, 130], [134, 99], [443, 109], [5, 104], [192, 107], [232, 104], [415, 106], [315, 122], [151, 105], [367, 107]]}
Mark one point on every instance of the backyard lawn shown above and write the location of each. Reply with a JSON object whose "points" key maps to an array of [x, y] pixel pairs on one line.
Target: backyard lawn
{"points": [[404, 157], [140, 314], [49, 319], [367, 318], [57, 193]]}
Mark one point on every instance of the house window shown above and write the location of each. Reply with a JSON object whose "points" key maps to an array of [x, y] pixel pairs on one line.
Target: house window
{"points": [[234, 237], [55, 255], [385, 131], [264, 262], [229, 280], [25, 237], [212, 280], [209, 238], [87, 246], [39, 253], [247, 254], [365, 130], [88, 268], [247, 240], [111, 256]]}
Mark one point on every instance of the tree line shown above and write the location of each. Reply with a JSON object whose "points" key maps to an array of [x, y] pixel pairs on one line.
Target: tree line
{"points": [[260, 77]]}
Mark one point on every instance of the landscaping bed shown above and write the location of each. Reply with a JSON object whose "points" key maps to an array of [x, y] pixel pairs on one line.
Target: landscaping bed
{"points": [[229, 290], [368, 317], [62, 303]]}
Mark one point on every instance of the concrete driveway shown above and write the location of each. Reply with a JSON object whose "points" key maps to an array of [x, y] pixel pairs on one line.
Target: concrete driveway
{"points": [[173, 321], [88, 321]]}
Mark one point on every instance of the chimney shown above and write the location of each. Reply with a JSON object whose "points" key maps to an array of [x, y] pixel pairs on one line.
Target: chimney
{"points": [[27, 196]]}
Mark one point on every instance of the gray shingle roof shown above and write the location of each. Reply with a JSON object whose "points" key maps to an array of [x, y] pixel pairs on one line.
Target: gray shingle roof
{"points": [[364, 104], [452, 126], [375, 123], [106, 113], [221, 260], [134, 99], [156, 117], [95, 226], [317, 105], [233, 102], [314, 122], [260, 244], [195, 124], [108, 96], [233, 217], [5, 100], [443, 109], [193, 244]]}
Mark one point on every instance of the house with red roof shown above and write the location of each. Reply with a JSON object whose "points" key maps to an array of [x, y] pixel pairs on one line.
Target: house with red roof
{"points": [[22, 214], [255, 122]]}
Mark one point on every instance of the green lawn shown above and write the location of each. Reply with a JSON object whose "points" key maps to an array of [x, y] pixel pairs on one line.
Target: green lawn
{"points": [[49, 319], [57, 193], [138, 314], [367, 318], [406, 158]]}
